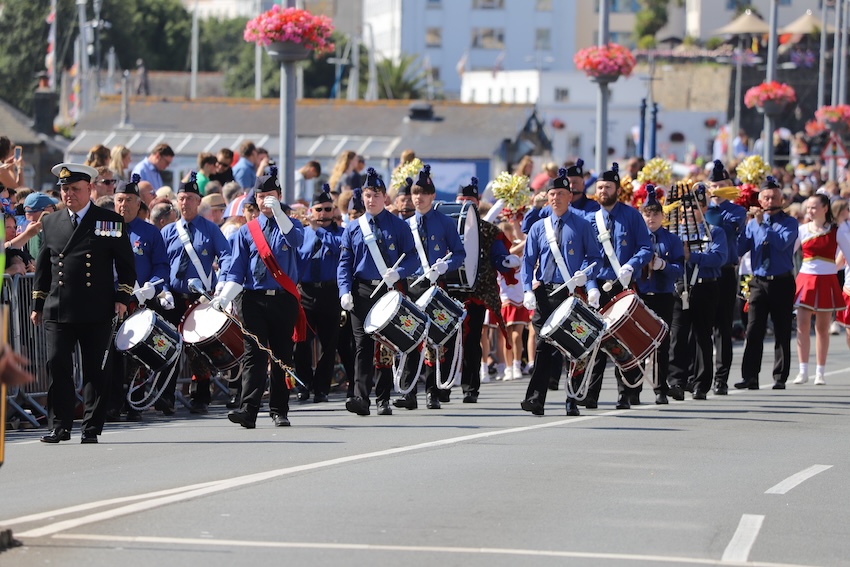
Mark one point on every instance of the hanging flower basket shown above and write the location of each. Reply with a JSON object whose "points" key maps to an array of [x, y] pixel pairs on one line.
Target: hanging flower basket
{"points": [[770, 98], [834, 118], [605, 63], [290, 34]]}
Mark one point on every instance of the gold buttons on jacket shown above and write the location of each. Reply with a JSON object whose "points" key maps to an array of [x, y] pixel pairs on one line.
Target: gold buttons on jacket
{"points": [[88, 265], [88, 284], [88, 275], [88, 255], [61, 264], [61, 255], [61, 283]]}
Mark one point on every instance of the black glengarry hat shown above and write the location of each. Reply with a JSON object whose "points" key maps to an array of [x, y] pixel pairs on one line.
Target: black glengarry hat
{"points": [[470, 190], [131, 188], [612, 175], [190, 186], [576, 170], [374, 181], [770, 183], [718, 172], [405, 188], [324, 196], [424, 180], [561, 182], [356, 202], [266, 183]]}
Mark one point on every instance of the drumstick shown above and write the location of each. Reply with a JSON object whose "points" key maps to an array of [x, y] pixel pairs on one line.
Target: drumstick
{"points": [[418, 280], [558, 289], [396, 265]]}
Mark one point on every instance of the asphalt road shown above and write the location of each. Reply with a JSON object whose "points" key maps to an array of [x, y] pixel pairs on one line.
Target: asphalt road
{"points": [[756, 478]]}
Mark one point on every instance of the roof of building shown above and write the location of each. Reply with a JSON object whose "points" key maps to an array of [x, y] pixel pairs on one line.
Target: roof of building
{"points": [[17, 126]]}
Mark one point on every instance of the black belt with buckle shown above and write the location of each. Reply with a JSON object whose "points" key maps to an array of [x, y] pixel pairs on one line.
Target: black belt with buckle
{"points": [[266, 291], [367, 282], [777, 277], [320, 285], [706, 280]]}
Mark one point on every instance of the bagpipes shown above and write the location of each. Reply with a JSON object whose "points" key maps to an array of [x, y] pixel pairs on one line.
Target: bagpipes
{"points": [[684, 218]]}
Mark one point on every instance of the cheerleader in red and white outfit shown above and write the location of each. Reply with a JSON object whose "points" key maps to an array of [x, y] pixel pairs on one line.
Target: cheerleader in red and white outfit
{"points": [[818, 291]]}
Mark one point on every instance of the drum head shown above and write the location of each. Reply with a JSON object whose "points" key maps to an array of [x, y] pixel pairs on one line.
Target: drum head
{"points": [[426, 297], [620, 309], [558, 316], [470, 241], [203, 322], [382, 312], [134, 329]]}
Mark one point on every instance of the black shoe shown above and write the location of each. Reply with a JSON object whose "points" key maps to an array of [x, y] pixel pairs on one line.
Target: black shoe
{"points": [[233, 402], [357, 405], [166, 407], [470, 398], [572, 407], [198, 408], [623, 401], [243, 418], [57, 435], [134, 415], [588, 403], [661, 399], [407, 401], [534, 406], [444, 395], [721, 389], [384, 407], [699, 394], [112, 416], [676, 392], [747, 385], [779, 386], [634, 398], [689, 387], [432, 400], [303, 395], [554, 383], [88, 439], [320, 398], [280, 420]]}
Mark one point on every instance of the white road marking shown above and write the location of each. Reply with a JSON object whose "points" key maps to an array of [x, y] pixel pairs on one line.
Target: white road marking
{"points": [[742, 542], [795, 479]]}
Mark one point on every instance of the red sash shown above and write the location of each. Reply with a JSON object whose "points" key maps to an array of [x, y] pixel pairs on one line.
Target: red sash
{"points": [[300, 333]]}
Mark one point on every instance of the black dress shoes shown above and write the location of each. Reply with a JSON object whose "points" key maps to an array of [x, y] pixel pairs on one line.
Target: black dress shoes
{"points": [[280, 420], [623, 401], [572, 407], [468, 398], [407, 401], [634, 398], [233, 402], [88, 439], [243, 418], [357, 405], [303, 395], [676, 392], [721, 389], [320, 398], [747, 385], [444, 395], [432, 400], [57, 435], [554, 383], [112, 416], [533, 406], [134, 415], [779, 386], [661, 399], [589, 403], [198, 408], [165, 406], [384, 407], [699, 394]]}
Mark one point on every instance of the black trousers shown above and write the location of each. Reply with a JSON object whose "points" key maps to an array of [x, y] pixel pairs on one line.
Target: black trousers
{"points": [[473, 325], [727, 299], [345, 349], [199, 389], [94, 339], [662, 305], [691, 348], [271, 318], [364, 346], [321, 305], [544, 352], [774, 298]]}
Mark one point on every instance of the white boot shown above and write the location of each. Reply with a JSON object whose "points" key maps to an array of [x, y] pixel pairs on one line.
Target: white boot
{"points": [[509, 374]]}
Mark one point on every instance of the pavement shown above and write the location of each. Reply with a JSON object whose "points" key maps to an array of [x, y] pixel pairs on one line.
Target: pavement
{"points": [[754, 478]]}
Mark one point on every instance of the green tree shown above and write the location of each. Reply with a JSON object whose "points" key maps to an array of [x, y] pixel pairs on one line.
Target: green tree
{"points": [[404, 80]]}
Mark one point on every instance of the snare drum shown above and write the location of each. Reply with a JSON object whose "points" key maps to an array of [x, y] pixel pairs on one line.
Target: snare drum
{"points": [[446, 314], [213, 335], [573, 328], [634, 330], [396, 322], [466, 215], [150, 339]]}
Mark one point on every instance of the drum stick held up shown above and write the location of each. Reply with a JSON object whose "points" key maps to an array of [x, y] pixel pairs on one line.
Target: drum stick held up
{"points": [[396, 265], [418, 280], [558, 289]]}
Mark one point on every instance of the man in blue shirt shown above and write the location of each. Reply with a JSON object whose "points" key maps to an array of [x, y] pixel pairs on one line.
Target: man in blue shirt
{"points": [[769, 237], [245, 170], [149, 168], [576, 242], [579, 200], [358, 275], [270, 303], [318, 258]]}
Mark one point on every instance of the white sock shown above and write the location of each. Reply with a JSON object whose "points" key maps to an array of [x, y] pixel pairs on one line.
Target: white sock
{"points": [[516, 364], [483, 367], [804, 368], [819, 370]]}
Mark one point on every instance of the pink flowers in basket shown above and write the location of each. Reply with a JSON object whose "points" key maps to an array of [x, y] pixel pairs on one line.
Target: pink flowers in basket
{"points": [[291, 25], [840, 113], [610, 60], [773, 91]]}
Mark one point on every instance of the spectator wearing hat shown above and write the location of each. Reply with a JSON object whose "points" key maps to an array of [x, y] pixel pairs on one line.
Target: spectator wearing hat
{"points": [[75, 297], [36, 206], [212, 208], [150, 168]]}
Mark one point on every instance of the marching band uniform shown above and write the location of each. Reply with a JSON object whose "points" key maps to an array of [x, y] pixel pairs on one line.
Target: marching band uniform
{"points": [[437, 233], [577, 242], [319, 256], [693, 325], [358, 275], [580, 202], [771, 244], [208, 243], [732, 220], [271, 303], [75, 297], [632, 249], [656, 287]]}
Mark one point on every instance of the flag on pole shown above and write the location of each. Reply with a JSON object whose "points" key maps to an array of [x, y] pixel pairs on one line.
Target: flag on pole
{"points": [[497, 66], [461, 64]]}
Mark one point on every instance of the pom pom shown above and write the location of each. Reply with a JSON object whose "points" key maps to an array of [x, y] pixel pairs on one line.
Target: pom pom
{"points": [[579, 162], [512, 190], [403, 171], [474, 181], [193, 177], [135, 179], [616, 167], [326, 188], [752, 170], [371, 171], [718, 165], [770, 179], [650, 191], [656, 171], [562, 172], [408, 181], [427, 169], [273, 171]]}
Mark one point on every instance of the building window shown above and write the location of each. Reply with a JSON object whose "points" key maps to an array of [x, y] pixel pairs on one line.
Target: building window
{"points": [[488, 4], [436, 4], [488, 38], [434, 37], [435, 73], [625, 39], [544, 5], [562, 95], [543, 39]]}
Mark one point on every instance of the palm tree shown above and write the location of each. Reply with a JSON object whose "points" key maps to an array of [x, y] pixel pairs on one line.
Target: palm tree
{"points": [[406, 79]]}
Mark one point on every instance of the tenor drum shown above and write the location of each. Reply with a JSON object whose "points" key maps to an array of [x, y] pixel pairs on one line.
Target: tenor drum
{"points": [[150, 339], [446, 314], [397, 323], [213, 335], [573, 328], [634, 330], [466, 215]]}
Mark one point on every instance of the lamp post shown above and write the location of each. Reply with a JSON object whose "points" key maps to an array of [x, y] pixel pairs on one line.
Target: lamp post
{"points": [[602, 97], [771, 73], [822, 62]]}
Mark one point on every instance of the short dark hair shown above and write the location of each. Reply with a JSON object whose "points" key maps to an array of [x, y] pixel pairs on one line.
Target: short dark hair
{"points": [[206, 158], [227, 154], [163, 150], [247, 148], [315, 165]]}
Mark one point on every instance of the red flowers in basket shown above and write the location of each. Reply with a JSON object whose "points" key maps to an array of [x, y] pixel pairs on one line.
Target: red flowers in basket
{"points": [[612, 60], [291, 25], [773, 91]]}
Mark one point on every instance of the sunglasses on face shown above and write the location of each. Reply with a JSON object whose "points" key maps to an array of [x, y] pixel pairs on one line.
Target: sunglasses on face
{"points": [[107, 181], [326, 209]]}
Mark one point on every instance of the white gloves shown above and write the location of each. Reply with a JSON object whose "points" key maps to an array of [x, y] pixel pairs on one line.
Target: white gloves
{"points": [[658, 263], [219, 287], [432, 274], [166, 300], [529, 301], [579, 278], [347, 302], [283, 221], [228, 294], [391, 277], [593, 298], [511, 261], [146, 292], [441, 266], [625, 274]]}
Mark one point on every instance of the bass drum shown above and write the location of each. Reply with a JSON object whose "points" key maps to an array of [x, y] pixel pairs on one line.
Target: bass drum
{"points": [[466, 215]]}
